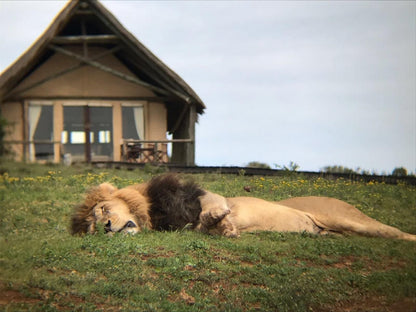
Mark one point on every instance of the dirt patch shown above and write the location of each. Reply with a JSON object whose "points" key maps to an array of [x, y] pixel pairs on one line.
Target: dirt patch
{"points": [[182, 296], [351, 263], [372, 304], [13, 296], [147, 256], [61, 302]]}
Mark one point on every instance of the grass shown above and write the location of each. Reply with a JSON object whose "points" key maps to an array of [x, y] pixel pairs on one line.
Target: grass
{"points": [[44, 268]]}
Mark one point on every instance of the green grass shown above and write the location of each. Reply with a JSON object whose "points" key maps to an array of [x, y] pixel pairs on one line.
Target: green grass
{"points": [[44, 268]]}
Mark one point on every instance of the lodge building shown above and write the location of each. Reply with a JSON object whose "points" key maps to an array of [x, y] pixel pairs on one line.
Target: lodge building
{"points": [[88, 89]]}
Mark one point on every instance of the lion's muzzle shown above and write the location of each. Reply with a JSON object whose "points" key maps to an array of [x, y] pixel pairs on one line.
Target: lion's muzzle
{"points": [[130, 227]]}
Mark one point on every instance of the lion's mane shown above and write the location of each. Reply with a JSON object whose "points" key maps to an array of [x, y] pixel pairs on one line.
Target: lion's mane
{"points": [[174, 202]]}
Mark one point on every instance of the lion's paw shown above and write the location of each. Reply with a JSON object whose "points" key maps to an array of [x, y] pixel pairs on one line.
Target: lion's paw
{"points": [[214, 209], [227, 228], [213, 216], [231, 233]]}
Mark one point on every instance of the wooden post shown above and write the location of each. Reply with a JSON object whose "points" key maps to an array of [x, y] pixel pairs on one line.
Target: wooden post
{"points": [[125, 158], [58, 125], [190, 151], [25, 117], [87, 130], [184, 153], [117, 132]]}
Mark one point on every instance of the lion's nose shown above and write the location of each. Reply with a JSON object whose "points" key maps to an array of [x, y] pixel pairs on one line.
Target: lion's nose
{"points": [[107, 227]]}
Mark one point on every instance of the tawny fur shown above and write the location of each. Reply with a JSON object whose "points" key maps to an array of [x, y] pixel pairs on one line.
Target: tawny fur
{"points": [[168, 202], [83, 217]]}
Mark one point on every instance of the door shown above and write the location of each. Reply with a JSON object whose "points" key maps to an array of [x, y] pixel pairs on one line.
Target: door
{"points": [[88, 131]]}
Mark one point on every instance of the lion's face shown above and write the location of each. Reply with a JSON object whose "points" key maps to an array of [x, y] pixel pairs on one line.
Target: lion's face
{"points": [[115, 216]]}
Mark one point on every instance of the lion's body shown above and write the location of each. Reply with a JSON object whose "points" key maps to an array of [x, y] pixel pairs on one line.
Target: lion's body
{"points": [[169, 203], [250, 214]]}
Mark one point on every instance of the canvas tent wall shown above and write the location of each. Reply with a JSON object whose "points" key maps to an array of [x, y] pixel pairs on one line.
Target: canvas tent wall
{"points": [[86, 85]]}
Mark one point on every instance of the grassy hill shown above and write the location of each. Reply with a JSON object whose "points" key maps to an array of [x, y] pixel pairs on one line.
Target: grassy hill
{"points": [[44, 268]]}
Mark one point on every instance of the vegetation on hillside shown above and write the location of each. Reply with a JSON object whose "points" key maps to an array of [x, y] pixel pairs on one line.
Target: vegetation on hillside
{"points": [[44, 268], [257, 164], [397, 172]]}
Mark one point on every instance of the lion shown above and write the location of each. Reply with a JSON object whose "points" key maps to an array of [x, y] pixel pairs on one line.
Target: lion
{"points": [[169, 202]]}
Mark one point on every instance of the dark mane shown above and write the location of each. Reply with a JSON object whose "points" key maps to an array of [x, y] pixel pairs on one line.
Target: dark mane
{"points": [[174, 202]]}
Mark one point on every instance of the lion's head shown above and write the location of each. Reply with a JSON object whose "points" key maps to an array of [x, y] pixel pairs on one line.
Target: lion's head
{"points": [[115, 210], [167, 202]]}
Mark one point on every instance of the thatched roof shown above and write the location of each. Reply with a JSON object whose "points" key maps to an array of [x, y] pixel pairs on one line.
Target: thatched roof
{"points": [[133, 54]]}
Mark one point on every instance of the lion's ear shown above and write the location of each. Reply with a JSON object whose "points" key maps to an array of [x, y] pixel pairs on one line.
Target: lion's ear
{"points": [[99, 193], [107, 188], [81, 220]]}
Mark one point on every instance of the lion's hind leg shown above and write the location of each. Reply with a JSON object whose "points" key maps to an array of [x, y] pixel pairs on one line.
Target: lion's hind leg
{"points": [[338, 216]]}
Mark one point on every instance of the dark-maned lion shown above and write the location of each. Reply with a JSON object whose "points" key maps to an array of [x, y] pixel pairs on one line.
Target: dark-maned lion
{"points": [[168, 202]]}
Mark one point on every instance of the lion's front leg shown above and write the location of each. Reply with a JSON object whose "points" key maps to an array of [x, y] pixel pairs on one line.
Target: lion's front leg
{"points": [[214, 209], [214, 217], [223, 227]]}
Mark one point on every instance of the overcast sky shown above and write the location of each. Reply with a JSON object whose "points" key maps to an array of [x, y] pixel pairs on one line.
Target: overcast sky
{"points": [[316, 82]]}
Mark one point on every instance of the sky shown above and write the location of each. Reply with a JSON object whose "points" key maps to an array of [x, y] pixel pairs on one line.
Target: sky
{"points": [[318, 83]]}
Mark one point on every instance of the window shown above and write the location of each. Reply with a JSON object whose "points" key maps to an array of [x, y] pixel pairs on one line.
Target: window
{"points": [[64, 137], [78, 137], [40, 117], [104, 136], [133, 122]]}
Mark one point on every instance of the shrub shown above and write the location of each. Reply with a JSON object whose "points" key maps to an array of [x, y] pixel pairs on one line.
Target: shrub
{"points": [[256, 164], [291, 167], [399, 172], [338, 169]]}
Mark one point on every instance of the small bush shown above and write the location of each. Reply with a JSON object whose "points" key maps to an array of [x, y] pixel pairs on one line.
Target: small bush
{"points": [[257, 164], [338, 169], [399, 172]]}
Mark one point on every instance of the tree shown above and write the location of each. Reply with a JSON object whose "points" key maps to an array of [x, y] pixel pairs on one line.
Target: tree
{"points": [[338, 169], [399, 172]]}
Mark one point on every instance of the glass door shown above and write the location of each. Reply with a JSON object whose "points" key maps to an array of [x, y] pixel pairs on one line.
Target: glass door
{"points": [[101, 132], [88, 132]]}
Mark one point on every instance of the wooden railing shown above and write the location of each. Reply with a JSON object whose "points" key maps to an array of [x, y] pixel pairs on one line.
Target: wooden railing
{"points": [[135, 151], [148, 151]]}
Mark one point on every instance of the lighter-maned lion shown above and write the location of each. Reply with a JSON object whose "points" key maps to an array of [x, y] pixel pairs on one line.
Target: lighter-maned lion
{"points": [[168, 202]]}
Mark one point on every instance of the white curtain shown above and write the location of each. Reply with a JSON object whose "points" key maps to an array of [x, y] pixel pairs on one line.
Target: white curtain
{"points": [[139, 121], [34, 115]]}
